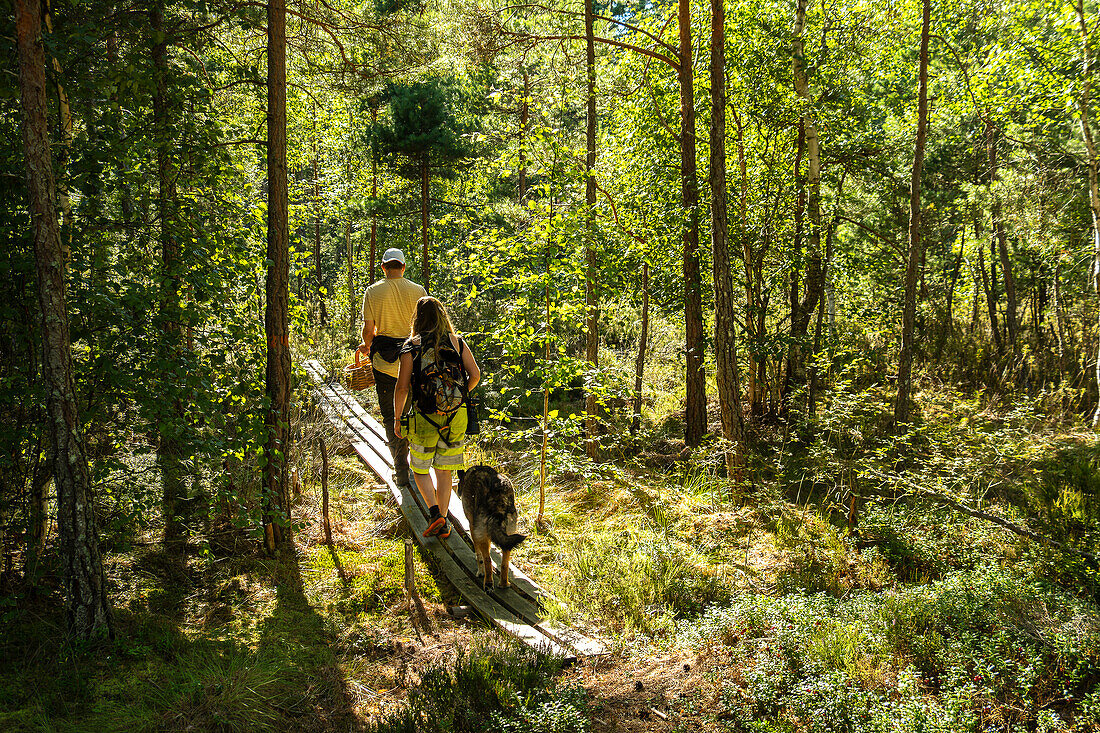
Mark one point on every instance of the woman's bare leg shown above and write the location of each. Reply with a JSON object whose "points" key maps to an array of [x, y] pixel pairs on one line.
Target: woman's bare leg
{"points": [[442, 490]]}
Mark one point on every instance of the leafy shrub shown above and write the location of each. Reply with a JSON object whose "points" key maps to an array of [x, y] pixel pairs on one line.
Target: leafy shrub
{"points": [[923, 543], [641, 580], [998, 649], [820, 559], [497, 685]]}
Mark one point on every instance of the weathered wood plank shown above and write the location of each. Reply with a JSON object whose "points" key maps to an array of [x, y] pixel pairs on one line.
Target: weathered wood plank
{"points": [[516, 609], [485, 605]]}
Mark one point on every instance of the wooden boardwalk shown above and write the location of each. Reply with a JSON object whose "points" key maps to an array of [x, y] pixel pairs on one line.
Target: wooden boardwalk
{"points": [[516, 610]]}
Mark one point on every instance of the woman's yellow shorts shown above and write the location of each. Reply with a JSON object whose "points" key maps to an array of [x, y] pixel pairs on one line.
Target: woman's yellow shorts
{"points": [[442, 447]]}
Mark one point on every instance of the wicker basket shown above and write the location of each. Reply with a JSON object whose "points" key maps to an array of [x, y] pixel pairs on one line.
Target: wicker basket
{"points": [[360, 374]]}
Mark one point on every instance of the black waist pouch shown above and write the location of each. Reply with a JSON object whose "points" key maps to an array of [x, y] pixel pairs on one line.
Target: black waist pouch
{"points": [[387, 347], [473, 427]]}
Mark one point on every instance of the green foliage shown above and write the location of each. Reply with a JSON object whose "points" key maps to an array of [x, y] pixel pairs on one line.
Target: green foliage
{"points": [[493, 686], [991, 642], [423, 126], [641, 579]]}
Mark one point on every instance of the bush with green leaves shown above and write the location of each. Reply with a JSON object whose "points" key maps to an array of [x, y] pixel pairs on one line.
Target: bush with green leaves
{"points": [[979, 648], [641, 579], [494, 685]]}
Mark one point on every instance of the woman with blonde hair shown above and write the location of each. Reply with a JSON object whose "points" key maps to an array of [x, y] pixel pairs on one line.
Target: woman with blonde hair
{"points": [[439, 370]]}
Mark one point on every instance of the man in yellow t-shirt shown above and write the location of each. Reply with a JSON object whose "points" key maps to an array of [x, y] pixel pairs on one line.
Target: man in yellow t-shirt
{"points": [[388, 307]]}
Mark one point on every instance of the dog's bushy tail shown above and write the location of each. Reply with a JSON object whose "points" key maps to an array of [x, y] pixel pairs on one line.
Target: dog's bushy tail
{"points": [[502, 539]]}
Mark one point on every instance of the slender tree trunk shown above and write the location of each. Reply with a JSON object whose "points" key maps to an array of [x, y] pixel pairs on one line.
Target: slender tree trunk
{"points": [[87, 611], [725, 343], [953, 281], [373, 275], [169, 449], [548, 264], [1084, 103], [815, 274], [317, 225], [752, 281], [643, 344], [277, 415], [39, 523], [997, 222], [324, 491], [1059, 328], [991, 297], [791, 361], [349, 250], [524, 121], [905, 358], [65, 121], [425, 191], [975, 300], [592, 265], [695, 409], [830, 239]]}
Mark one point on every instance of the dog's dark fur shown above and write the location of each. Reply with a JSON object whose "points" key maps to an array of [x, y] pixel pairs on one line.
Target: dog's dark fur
{"points": [[489, 502]]}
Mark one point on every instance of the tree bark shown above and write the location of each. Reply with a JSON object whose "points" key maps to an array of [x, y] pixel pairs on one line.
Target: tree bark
{"points": [[695, 408], [1083, 105], [815, 274], [425, 266], [65, 118], [725, 343], [169, 449], [524, 119], [372, 274], [353, 316], [592, 265], [277, 290], [905, 358], [317, 225], [87, 611], [997, 222], [754, 393], [1059, 328], [639, 362]]}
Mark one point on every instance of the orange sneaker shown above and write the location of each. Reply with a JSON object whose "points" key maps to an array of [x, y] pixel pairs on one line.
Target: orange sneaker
{"points": [[437, 525], [445, 532]]}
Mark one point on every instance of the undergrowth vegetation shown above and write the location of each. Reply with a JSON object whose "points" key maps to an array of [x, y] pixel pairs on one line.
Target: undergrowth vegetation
{"points": [[838, 587], [494, 685]]}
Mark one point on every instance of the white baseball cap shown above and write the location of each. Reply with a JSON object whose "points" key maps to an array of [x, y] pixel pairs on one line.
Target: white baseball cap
{"points": [[393, 255]]}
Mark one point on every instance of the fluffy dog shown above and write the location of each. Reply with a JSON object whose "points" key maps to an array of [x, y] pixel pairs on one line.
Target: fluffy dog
{"points": [[489, 502]]}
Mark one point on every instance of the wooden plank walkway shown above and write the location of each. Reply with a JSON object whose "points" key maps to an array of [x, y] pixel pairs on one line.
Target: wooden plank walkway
{"points": [[516, 610]]}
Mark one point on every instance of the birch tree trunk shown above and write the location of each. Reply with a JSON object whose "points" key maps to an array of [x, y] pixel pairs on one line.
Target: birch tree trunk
{"points": [[905, 358], [592, 265], [277, 290], [84, 582]]}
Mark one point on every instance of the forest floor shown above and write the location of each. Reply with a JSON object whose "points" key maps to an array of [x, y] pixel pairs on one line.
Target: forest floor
{"points": [[752, 612]]}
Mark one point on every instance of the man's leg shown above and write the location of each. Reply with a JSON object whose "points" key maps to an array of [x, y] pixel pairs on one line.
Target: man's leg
{"points": [[399, 447]]}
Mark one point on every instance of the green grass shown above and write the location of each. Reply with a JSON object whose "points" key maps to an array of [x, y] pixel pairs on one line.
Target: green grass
{"points": [[496, 685], [273, 672], [923, 620]]}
